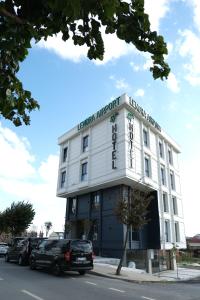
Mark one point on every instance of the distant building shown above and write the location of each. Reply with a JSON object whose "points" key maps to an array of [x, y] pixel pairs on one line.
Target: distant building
{"points": [[118, 148], [56, 235], [193, 245]]}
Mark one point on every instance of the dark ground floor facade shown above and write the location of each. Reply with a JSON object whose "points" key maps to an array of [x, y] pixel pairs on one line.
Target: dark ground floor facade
{"points": [[92, 216]]}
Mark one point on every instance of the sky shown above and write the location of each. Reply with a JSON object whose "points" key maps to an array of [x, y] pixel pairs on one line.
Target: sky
{"points": [[70, 87]]}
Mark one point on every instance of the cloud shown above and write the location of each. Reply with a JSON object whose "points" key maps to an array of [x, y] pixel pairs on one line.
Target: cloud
{"points": [[189, 126], [114, 48], [156, 11], [139, 93], [172, 83], [135, 67], [120, 84], [196, 11], [190, 191], [188, 46], [21, 180], [15, 158]]}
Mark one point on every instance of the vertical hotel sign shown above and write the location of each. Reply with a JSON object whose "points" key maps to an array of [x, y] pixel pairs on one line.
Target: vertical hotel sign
{"points": [[130, 117], [114, 140]]}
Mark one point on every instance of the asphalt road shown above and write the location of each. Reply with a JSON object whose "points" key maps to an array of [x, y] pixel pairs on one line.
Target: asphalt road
{"points": [[20, 283]]}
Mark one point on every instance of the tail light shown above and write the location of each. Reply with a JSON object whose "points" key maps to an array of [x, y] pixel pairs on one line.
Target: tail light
{"points": [[67, 256]]}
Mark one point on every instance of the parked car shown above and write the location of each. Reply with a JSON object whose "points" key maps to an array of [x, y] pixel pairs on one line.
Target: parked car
{"points": [[3, 248], [20, 249], [63, 255]]}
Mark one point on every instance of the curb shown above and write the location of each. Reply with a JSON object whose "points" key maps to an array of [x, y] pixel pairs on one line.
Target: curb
{"points": [[126, 279]]}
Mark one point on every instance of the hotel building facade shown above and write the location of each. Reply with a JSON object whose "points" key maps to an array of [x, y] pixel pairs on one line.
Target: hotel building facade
{"points": [[118, 149]]}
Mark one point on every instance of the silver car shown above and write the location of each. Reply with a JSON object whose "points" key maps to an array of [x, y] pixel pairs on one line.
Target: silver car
{"points": [[3, 248]]}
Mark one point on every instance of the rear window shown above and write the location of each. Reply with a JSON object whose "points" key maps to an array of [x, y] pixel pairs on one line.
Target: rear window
{"points": [[35, 242], [81, 246], [3, 245]]}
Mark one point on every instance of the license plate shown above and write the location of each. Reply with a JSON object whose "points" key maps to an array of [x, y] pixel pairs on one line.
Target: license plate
{"points": [[81, 259]]}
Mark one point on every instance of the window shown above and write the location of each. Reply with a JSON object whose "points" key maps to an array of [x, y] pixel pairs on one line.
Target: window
{"points": [[170, 157], [95, 200], [167, 231], [161, 149], [147, 166], [85, 143], [177, 233], [172, 180], [135, 235], [95, 230], [145, 137], [165, 203], [84, 171], [73, 205], [65, 150], [163, 175], [63, 178], [174, 204]]}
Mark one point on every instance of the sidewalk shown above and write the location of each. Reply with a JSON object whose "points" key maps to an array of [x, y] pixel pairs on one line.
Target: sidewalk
{"points": [[106, 267]]}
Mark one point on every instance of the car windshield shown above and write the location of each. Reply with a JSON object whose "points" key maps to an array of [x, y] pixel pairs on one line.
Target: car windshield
{"points": [[85, 246]]}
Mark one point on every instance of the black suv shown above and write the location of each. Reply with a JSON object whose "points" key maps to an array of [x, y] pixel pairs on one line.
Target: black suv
{"points": [[63, 255], [20, 249]]}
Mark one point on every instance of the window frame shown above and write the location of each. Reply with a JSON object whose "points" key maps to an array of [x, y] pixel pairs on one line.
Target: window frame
{"points": [[163, 175], [85, 143], [172, 180], [170, 156], [167, 231], [146, 137], [95, 203], [64, 154], [147, 167], [84, 173], [73, 205], [165, 202], [175, 205], [161, 149], [63, 175]]}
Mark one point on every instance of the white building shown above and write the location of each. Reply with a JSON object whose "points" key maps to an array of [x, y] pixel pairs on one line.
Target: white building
{"points": [[118, 147]]}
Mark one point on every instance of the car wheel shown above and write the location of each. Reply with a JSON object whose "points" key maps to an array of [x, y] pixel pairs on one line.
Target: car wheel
{"points": [[57, 270], [7, 259], [20, 261], [81, 272], [32, 265]]}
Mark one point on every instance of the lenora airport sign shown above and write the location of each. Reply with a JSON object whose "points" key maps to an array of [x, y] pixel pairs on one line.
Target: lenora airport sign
{"points": [[111, 106]]}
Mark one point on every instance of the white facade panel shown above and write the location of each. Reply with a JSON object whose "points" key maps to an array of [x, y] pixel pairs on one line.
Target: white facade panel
{"points": [[154, 170], [75, 148], [99, 136], [177, 183], [73, 174], [153, 143], [180, 207]]}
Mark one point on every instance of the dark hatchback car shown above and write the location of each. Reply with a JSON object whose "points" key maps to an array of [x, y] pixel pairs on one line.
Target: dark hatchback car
{"points": [[20, 249], [63, 255]]}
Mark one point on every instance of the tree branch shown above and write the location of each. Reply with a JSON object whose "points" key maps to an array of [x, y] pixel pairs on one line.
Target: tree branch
{"points": [[6, 13]]}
